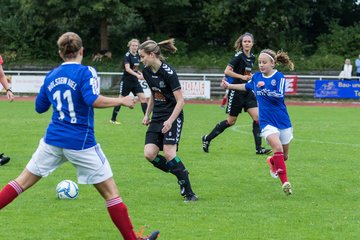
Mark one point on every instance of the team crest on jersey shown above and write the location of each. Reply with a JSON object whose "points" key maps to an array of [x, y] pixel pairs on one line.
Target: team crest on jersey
{"points": [[273, 82], [167, 69], [162, 84]]}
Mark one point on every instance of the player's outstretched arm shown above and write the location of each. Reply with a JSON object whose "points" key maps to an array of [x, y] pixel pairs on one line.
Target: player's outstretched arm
{"points": [[227, 85], [105, 102]]}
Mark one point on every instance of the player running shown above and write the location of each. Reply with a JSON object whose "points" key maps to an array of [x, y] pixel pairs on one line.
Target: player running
{"points": [[72, 90], [130, 80], [166, 105], [239, 69], [269, 88]]}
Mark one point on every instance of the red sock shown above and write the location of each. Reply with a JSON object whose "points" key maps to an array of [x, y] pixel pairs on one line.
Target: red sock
{"points": [[280, 166], [223, 102], [120, 217], [9, 193]]}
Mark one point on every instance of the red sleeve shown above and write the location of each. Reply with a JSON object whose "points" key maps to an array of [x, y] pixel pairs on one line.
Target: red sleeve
{"points": [[1, 61]]}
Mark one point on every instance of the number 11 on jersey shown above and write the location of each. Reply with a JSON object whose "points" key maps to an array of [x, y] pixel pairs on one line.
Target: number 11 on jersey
{"points": [[59, 107]]}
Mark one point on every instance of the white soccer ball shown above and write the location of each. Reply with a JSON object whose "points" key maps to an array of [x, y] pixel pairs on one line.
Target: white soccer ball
{"points": [[67, 189]]}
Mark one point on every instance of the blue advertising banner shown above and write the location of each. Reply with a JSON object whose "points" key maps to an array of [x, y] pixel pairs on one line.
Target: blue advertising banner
{"points": [[337, 89]]}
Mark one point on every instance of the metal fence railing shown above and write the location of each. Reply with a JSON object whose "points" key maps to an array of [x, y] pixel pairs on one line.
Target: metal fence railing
{"points": [[110, 81]]}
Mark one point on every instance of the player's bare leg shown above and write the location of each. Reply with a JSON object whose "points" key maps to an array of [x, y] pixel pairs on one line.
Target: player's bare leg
{"points": [[14, 188]]}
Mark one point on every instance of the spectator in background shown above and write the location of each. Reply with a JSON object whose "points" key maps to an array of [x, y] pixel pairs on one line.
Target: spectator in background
{"points": [[346, 72], [4, 159], [357, 64]]}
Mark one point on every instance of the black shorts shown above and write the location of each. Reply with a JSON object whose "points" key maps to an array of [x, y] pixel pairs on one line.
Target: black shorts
{"points": [[172, 137], [238, 100], [127, 86]]}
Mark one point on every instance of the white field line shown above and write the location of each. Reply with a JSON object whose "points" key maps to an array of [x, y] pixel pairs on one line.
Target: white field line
{"points": [[238, 128]]}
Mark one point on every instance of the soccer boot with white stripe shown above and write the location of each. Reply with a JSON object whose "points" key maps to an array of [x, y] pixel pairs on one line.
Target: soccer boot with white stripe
{"points": [[263, 151], [205, 144], [4, 159]]}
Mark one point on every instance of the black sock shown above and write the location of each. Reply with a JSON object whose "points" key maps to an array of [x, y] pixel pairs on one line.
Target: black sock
{"points": [[256, 133], [160, 163], [144, 107], [178, 169], [219, 128], [115, 112]]}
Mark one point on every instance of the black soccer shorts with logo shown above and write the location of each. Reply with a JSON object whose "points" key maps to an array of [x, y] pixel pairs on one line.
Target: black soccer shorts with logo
{"points": [[238, 100], [127, 86], [172, 137]]}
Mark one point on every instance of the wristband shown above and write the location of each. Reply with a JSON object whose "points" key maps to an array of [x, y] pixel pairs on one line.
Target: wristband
{"points": [[7, 90]]}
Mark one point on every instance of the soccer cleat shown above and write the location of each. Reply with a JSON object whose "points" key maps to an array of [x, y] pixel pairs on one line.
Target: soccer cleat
{"points": [[287, 188], [115, 122], [205, 144], [154, 235], [4, 159], [190, 197], [273, 172], [263, 151]]}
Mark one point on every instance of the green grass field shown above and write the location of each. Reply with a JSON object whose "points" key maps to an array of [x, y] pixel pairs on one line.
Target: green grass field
{"points": [[237, 197]]}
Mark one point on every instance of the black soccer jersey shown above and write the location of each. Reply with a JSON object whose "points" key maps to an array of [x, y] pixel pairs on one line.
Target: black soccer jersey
{"points": [[134, 61], [242, 64], [162, 85]]}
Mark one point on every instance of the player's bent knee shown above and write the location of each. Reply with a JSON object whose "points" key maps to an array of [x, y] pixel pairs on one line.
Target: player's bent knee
{"points": [[231, 122], [107, 189], [150, 156]]}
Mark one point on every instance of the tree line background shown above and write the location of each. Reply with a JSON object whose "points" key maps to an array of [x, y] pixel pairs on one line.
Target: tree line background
{"points": [[318, 34]]}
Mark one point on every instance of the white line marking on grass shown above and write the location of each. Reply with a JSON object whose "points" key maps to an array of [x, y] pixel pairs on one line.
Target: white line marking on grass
{"points": [[324, 142], [238, 129]]}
